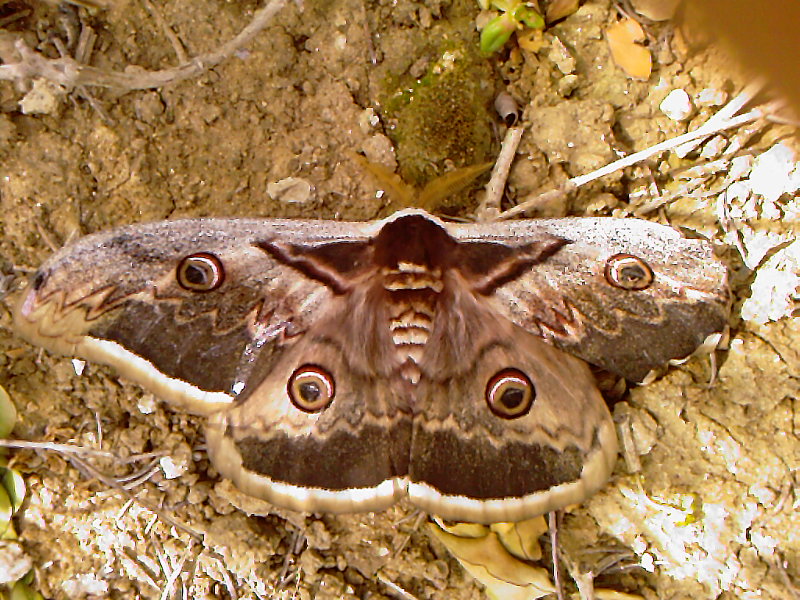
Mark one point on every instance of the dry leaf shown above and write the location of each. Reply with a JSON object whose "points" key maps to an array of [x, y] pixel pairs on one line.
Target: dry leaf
{"points": [[531, 40], [558, 9], [488, 561], [629, 55], [522, 539]]}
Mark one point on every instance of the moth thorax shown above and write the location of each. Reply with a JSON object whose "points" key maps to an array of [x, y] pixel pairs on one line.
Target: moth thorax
{"points": [[413, 291]]}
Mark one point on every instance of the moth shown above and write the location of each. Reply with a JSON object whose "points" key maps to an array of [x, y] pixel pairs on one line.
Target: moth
{"points": [[344, 365]]}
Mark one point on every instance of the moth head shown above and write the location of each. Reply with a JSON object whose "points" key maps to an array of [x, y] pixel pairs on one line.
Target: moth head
{"points": [[628, 272], [200, 272], [510, 394], [40, 279], [311, 388]]}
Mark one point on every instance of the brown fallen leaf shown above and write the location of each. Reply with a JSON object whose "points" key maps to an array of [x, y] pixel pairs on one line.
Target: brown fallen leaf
{"points": [[504, 576], [558, 9], [633, 58], [522, 539]]}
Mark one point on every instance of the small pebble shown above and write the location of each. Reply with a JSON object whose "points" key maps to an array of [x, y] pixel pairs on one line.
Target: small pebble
{"points": [[379, 149], [677, 105], [148, 107], [14, 563], [714, 147], [775, 172], [147, 404], [740, 166], [85, 584], [44, 98], [567, 85], [171, 468], [711, 97], [561, 56], [291, 190], [368, 120]]}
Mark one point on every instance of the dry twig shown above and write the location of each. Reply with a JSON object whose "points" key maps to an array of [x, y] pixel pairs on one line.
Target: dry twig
{"points": [[75, 449], [113, 483], [721, 121], [69, 73], [490, 206], [552, 524]]}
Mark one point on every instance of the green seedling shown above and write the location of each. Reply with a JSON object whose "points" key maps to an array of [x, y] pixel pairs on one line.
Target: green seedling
{"points": [[11, 481], [514, 16], [8, 414], [6, 511], [12, 493], [12, 488], [24, 591]]}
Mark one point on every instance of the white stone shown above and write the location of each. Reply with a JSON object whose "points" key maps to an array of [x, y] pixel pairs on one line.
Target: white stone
{"points": [[711, 97], [368, 120], [147, 404], [78, 365], [714, 147], [291, 190], [775, 173], [740, 167], [775, 288], [677, 105], [171, 468], [14, 563], [85, 584]]}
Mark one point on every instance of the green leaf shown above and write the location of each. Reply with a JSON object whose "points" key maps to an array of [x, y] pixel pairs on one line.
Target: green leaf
{"points": [[6, 511], [8, 414], [529, 17], [22, 591], [28, 578], [14, 485], [497, 32], [10, 533]]}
